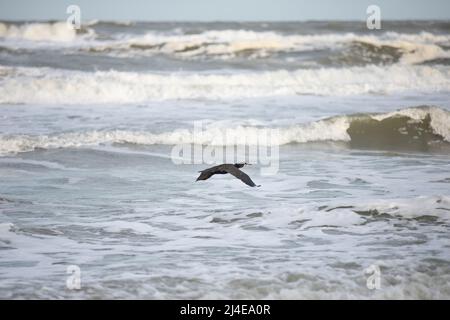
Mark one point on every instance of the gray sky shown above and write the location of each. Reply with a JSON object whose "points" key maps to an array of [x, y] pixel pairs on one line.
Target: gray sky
{"points": [[237, 10]]}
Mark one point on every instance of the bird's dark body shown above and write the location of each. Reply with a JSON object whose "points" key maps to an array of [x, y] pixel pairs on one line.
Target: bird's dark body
{"points": [[225, 168]]}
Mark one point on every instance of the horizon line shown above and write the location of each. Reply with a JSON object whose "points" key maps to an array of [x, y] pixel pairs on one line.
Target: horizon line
{"points": [[227, 21]]}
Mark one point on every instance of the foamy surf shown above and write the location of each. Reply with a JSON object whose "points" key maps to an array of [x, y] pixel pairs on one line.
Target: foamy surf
{"points": [[348, 213], [88, 122], [50, 86], [53, 33], [228, 43], [418, 128]]}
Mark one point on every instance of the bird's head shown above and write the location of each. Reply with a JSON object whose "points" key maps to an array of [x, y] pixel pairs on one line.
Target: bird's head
{"points": [[240, 165]]}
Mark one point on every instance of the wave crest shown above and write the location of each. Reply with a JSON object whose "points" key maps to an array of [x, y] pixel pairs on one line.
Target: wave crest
{"points": [[50, 86], [45, 32], [226, 44], [416, 128], [232, 43], [58, 31]]}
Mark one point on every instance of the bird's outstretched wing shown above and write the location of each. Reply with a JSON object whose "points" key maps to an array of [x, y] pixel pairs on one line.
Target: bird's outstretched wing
{"points": [[204, 175], [240, 175]]}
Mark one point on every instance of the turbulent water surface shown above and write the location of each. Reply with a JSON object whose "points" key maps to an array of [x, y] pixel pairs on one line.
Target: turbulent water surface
{"points": [[360, 120]]}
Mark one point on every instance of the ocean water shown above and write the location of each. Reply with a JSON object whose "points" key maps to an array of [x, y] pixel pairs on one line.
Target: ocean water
{"points": [[88, 124]]}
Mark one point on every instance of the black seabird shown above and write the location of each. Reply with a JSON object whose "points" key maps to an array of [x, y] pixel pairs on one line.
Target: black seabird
{"points": [[225, 168]]}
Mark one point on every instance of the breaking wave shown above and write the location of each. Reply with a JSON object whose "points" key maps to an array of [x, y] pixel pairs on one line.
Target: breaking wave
{"points": [[384, 48], [416, 128], [394, 47], [52, 86], [49, 32]]}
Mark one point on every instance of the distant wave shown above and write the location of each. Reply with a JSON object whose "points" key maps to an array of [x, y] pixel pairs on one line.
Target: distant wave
{"points": [[390, 46], [386, 47], [45, 31], [121, 23], [51, 86], [417, 128]]}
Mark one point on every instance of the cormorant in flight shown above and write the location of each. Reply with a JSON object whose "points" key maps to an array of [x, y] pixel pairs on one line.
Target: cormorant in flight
{"points": [[232, 169]]}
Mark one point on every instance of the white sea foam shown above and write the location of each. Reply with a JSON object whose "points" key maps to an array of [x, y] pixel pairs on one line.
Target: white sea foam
{"points": [[229, 43], [350, 213], [331, 129], [50, 86], [126, 226], [415, 48], [58, 31], [338, 218], [5, 228], [318, 131], [438, 206], [225, 44]]}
